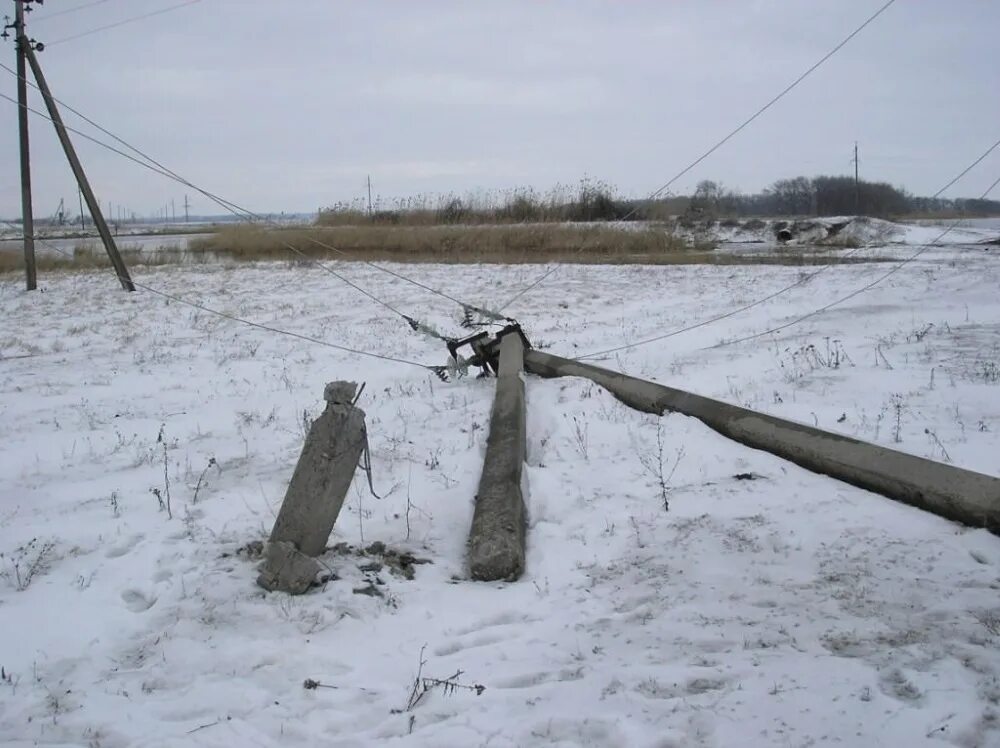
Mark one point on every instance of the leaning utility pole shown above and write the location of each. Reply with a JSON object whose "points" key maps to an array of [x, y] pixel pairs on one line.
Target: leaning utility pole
{"points": [[27, 218], [74, 162], [857, 187]]}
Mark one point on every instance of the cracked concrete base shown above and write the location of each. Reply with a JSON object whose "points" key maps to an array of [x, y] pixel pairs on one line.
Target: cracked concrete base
{"points": [[287, 569]]}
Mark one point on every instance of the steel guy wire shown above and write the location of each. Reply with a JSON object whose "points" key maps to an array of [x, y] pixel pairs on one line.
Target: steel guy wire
{"points": [[899, 266], [234, 318], [720, 143], [789, 287]]}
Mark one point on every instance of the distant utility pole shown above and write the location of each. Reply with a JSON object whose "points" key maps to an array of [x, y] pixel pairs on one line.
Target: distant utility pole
{"points": [[369, 194], [26, 48], [857, 183], [74, 162], [173, 211], [186, 206], [21, 44]]}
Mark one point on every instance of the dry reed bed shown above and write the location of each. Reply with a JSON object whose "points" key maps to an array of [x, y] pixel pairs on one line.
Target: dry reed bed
{"points": [[491, 244], [507, 244]]}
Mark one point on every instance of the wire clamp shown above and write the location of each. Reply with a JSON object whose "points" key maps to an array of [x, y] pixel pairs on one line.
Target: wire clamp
{"points": [[485, 350]]}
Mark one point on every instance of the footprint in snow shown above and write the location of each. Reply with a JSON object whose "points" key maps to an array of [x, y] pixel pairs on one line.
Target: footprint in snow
{"points": [[137, 601], [163, 575], [483, 640], [502, 619], [125, 546]]}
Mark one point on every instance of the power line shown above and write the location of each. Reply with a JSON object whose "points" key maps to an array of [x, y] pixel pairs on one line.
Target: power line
{"points": [[710, 320], [726, 139], [235, 209], [250, 323], [858, 291], [67, 11], [155, 166], [789, 287], [133, 19]]}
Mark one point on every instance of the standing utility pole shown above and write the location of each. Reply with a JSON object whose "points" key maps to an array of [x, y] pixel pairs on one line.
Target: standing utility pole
{"points": [[857, 187], [27, 218], [369, 194], [186, 206], [81, 177]]}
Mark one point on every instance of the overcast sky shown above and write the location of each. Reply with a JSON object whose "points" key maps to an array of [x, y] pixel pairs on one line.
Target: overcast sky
{"points": [[292, 110]]}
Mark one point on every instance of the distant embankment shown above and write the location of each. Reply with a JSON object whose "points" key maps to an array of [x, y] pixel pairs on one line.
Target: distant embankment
{"points": [[837, 231]]}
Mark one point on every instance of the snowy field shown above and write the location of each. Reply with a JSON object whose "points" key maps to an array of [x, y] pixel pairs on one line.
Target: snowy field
{"points": [[783, 610]]}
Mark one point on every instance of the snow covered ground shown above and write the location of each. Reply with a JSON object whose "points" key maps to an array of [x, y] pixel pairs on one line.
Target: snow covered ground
{"points": [[784, 610]]}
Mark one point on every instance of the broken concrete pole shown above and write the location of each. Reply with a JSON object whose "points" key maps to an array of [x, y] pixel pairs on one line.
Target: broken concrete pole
{"points": [[286, 569], [961, 495], [496, 541], [324, 472]]}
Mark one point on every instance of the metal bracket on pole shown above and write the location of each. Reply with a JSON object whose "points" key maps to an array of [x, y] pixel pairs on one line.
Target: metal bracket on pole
{"points": [[486, 350]]}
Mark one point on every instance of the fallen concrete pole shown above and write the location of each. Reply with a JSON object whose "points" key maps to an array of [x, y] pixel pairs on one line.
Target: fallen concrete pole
{"points": [[497, 537], [961, 495]]}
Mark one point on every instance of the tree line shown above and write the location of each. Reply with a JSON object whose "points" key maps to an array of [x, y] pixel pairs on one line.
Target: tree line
{"points": [[829, 196], [595, 201]]}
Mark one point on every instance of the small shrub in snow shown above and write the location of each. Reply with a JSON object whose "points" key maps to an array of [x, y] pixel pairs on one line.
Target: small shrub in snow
{"points": [[989, 371], [990, 619], [163, 497], [581, 437], [25, 563], [898, 408], [657, 465], [423, 685]]}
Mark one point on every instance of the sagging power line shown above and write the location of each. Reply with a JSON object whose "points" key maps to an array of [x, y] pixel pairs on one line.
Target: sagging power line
{"points": [[438, 371], [896, 268], [148, 162], [802, 281], [68, 11], [124, 22], [744, 124]]}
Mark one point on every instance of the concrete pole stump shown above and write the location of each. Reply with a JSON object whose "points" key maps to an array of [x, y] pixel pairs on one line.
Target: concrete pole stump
{"points": [[324, 472]]}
